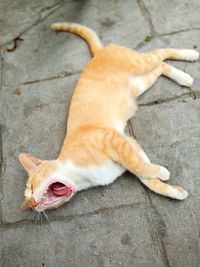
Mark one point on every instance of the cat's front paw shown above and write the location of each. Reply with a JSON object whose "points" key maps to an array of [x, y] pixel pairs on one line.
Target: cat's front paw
{"points": [[164, 174], [178, 192]]}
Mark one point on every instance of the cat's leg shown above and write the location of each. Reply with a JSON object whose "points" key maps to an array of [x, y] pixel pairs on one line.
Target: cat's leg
{"points": [[177, 75], [164, 189], [161, 188], [128, 153], [177, 54], [143, 82], [141, 63]]}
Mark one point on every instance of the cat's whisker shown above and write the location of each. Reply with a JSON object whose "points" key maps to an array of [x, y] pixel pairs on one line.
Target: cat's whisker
{"points": [[35, 219], [30, 218], [45, 215], [41, 215], [39, 224], [49, 227], [37, 227]]}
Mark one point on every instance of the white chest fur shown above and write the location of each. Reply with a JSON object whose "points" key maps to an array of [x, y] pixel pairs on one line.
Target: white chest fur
{"points": [[82, 178], [104, 174]]}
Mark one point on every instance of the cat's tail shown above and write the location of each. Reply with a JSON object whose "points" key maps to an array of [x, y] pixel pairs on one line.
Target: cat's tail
{"points": [[89, 35]]}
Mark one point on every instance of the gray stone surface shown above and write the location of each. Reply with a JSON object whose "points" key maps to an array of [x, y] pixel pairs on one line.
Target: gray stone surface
{"points": [[43, 53], [172, 16], [18, 16], [123, 224], [120, 237]]}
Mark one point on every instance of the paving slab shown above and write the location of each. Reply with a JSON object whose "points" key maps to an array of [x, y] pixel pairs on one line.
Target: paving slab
{"points": [[172, 16], [119, 26], [29, 12], [164, 124], [169, 133], [180, 220], [43, 54], [113, 238]]}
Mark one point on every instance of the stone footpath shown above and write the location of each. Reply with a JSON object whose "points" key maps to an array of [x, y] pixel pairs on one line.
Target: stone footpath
{"points": [[123, 224]]}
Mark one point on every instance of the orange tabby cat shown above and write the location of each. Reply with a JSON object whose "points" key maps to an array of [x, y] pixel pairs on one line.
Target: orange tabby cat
{"points": [[96, 150]]}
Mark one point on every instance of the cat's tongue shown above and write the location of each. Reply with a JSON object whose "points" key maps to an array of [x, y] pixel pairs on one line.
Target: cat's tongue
{"points": [[59, 189]]}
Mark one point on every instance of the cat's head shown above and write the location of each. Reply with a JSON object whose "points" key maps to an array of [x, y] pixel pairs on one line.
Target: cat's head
{"points": [[47, 187]]}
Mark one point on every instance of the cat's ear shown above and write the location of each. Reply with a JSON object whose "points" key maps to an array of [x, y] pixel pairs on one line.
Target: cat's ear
{"points": [[29, 162]]}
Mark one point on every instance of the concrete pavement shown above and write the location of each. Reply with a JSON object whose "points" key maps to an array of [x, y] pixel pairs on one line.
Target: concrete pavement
{"points": [[123, 224]]}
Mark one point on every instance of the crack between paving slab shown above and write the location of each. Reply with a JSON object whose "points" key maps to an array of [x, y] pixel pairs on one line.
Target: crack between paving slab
{"points": [[40, 19], [178, 31], [68, 218], [194, 217], [194, 94], [168, 99], [140, 45], [157, 35], [158, 227], [1, 142], [147, 16], [58, 76]]}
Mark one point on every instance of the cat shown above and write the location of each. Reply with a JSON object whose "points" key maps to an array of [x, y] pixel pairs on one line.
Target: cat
{"points": [[96, 149]]}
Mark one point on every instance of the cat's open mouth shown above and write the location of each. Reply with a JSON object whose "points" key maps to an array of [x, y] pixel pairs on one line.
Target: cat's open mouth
{"points": [[55, 193]]}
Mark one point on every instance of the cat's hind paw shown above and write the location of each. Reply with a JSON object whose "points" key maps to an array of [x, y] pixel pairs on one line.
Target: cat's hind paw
{"points": [[185, 80], [190, 54], [181, 77], [178, 192]]}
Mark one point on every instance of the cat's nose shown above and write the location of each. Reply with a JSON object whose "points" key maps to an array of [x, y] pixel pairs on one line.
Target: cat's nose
{"points": [[34, 203]]}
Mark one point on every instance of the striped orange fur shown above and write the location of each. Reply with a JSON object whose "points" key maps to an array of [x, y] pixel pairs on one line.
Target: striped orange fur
{"points": [[96, 149]]}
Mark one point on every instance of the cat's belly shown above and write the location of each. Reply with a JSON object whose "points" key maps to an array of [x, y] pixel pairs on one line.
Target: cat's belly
{"points": [[105, 173]]}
